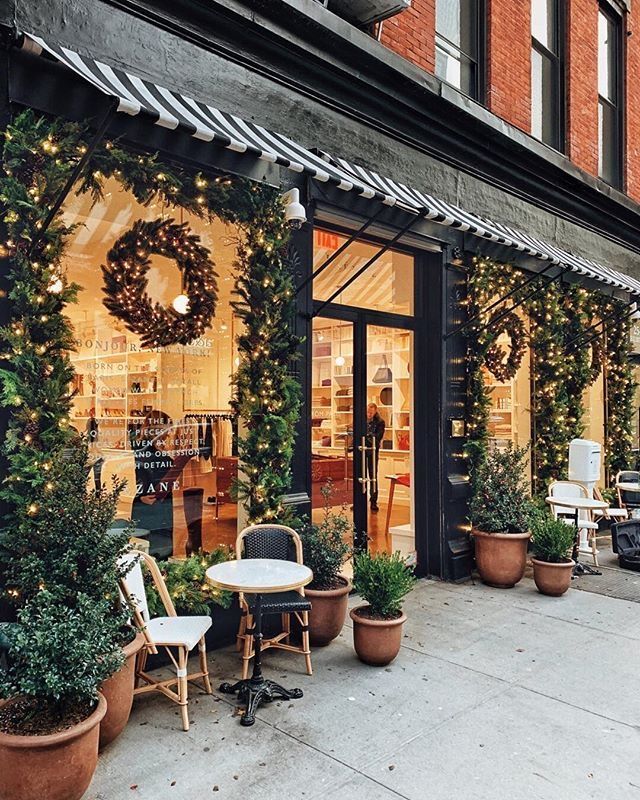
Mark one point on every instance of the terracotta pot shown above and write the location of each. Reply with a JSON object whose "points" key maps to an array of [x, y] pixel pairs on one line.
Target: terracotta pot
{"points": [[552, 579], [501, 557], [376, 641], [328, 613], [58, 766], [118, 692]]}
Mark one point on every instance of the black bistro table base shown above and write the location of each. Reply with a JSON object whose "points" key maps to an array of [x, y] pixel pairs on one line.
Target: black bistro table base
{"points": [[256, 690]]}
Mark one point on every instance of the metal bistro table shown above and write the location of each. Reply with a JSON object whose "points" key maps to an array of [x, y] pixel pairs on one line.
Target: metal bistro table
{"points": [[578, 504], [258, 576]]}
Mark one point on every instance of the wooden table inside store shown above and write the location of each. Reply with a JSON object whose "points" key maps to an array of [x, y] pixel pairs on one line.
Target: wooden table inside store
{"points": [[258, 576]]}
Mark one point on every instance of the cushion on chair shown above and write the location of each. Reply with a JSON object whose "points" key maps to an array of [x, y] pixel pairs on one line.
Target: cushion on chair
{"points": [[280, 602], [186, 631]]}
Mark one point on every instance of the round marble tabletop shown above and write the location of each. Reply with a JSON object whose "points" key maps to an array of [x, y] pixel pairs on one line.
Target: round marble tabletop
{"points": [[583, 503], [628, 487], [259, 575]]}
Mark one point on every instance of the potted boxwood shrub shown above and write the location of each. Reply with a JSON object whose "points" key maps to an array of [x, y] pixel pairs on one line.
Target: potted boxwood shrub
{"points": [[552, 540], [499, 512], [325, 550], [64, 546], [382, 580], [49, 727]]}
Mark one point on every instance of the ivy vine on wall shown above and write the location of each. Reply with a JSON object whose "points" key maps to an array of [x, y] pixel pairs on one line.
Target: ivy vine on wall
{"points": [[39, 157]]}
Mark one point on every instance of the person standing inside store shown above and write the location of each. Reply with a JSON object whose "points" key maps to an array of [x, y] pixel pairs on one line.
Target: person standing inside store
{"points": [[375, 433]]}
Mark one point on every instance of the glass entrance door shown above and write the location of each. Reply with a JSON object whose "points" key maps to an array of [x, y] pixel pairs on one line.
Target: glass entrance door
{"points": [[361, 428]]}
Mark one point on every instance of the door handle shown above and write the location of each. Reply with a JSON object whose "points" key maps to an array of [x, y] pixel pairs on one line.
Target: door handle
{"points": [[363, 451]]}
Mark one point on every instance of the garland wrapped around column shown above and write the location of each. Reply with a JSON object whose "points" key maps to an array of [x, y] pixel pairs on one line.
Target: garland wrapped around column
{"points": [[620, 389], [267, 396]]}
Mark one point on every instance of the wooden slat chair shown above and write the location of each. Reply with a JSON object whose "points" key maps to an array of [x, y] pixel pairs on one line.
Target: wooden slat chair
{"points": [[280, 542], [171, 632], [610, 514], [585, 518]]}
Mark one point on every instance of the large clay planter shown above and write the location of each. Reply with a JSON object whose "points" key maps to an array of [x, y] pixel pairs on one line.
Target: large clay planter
{"points": [[501, 557], [552, 579], [58, 766], [328, 613], [118, 692], [376, 641]]}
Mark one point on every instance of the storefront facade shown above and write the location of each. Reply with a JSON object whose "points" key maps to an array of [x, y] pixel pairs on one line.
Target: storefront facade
{"points": [[380, 277]]}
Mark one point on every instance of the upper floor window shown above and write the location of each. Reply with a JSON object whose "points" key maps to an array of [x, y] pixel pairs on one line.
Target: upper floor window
{"points": [[609, 96], [458, 44], [547, 90]]}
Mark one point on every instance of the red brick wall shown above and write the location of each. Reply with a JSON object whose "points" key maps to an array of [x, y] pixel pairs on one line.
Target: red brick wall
{"points": [[412, 34], [633, 105], [509, 61], [582, 84]]}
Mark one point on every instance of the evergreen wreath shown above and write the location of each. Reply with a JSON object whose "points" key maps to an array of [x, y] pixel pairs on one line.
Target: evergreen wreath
{"points": [[513, 326], [125, 283]]}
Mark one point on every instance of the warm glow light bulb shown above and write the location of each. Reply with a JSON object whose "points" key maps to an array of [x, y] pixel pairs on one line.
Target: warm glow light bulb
{"points": [[181, 304], [339, 361]]}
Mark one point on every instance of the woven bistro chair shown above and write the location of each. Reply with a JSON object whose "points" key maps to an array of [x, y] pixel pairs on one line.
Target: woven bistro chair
{"points": [[283, 543], [171, 632]]}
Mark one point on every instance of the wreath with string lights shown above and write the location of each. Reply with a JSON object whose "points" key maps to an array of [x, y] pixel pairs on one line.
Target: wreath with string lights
{"points": [[126, 282], [504, 367]]}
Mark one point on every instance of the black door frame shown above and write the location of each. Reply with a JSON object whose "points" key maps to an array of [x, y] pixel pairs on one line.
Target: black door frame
{"points": [[360, 318]]}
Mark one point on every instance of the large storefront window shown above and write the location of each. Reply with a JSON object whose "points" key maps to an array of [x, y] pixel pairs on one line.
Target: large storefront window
{"points": [[158, 417]]}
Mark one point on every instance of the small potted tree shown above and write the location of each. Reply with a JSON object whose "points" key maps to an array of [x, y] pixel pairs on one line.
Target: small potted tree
{"points": [[382, 580], [61, 542], [552, 541], [499, 512], [49, 727], [326, 547]]}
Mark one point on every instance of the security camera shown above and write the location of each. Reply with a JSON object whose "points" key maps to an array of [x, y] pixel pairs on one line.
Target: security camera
{"points": [[294, 211]]}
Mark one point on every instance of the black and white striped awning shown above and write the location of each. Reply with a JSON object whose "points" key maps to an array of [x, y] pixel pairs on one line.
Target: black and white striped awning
{"points": [[205, 122], [172, 110], [455, 217]]}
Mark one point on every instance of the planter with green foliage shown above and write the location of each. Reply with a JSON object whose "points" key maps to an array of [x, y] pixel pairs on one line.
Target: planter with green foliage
{"points": [[49, 729], [552, 542], [326, 548], [499, 512], [59, 567], [382, 580]]}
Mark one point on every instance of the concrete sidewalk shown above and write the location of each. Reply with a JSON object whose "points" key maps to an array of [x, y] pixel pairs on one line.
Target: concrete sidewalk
{"points": [[495, 694]]}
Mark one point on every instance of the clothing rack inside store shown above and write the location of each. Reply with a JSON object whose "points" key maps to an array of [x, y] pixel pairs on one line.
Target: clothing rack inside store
{"points": [[217, 414]]}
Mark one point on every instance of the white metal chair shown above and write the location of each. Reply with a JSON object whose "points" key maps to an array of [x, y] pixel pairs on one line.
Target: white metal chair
{"points": [[585, 520], [171, 631], [281, 542]]}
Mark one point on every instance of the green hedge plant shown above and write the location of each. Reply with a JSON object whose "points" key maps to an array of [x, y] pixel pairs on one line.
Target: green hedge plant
{"points": [[382, 580], [58, 657], [552, 539], [500, 502]]}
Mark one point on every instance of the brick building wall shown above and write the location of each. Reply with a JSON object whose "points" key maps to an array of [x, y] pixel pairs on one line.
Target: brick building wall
{"points": [[412, 34], [508, 71], [582, 84], [508, 89]]}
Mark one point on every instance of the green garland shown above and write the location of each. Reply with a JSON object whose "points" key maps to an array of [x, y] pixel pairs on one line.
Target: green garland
{"points": [[621, 389], [560, 373], [39, 156], [267, 395]]}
